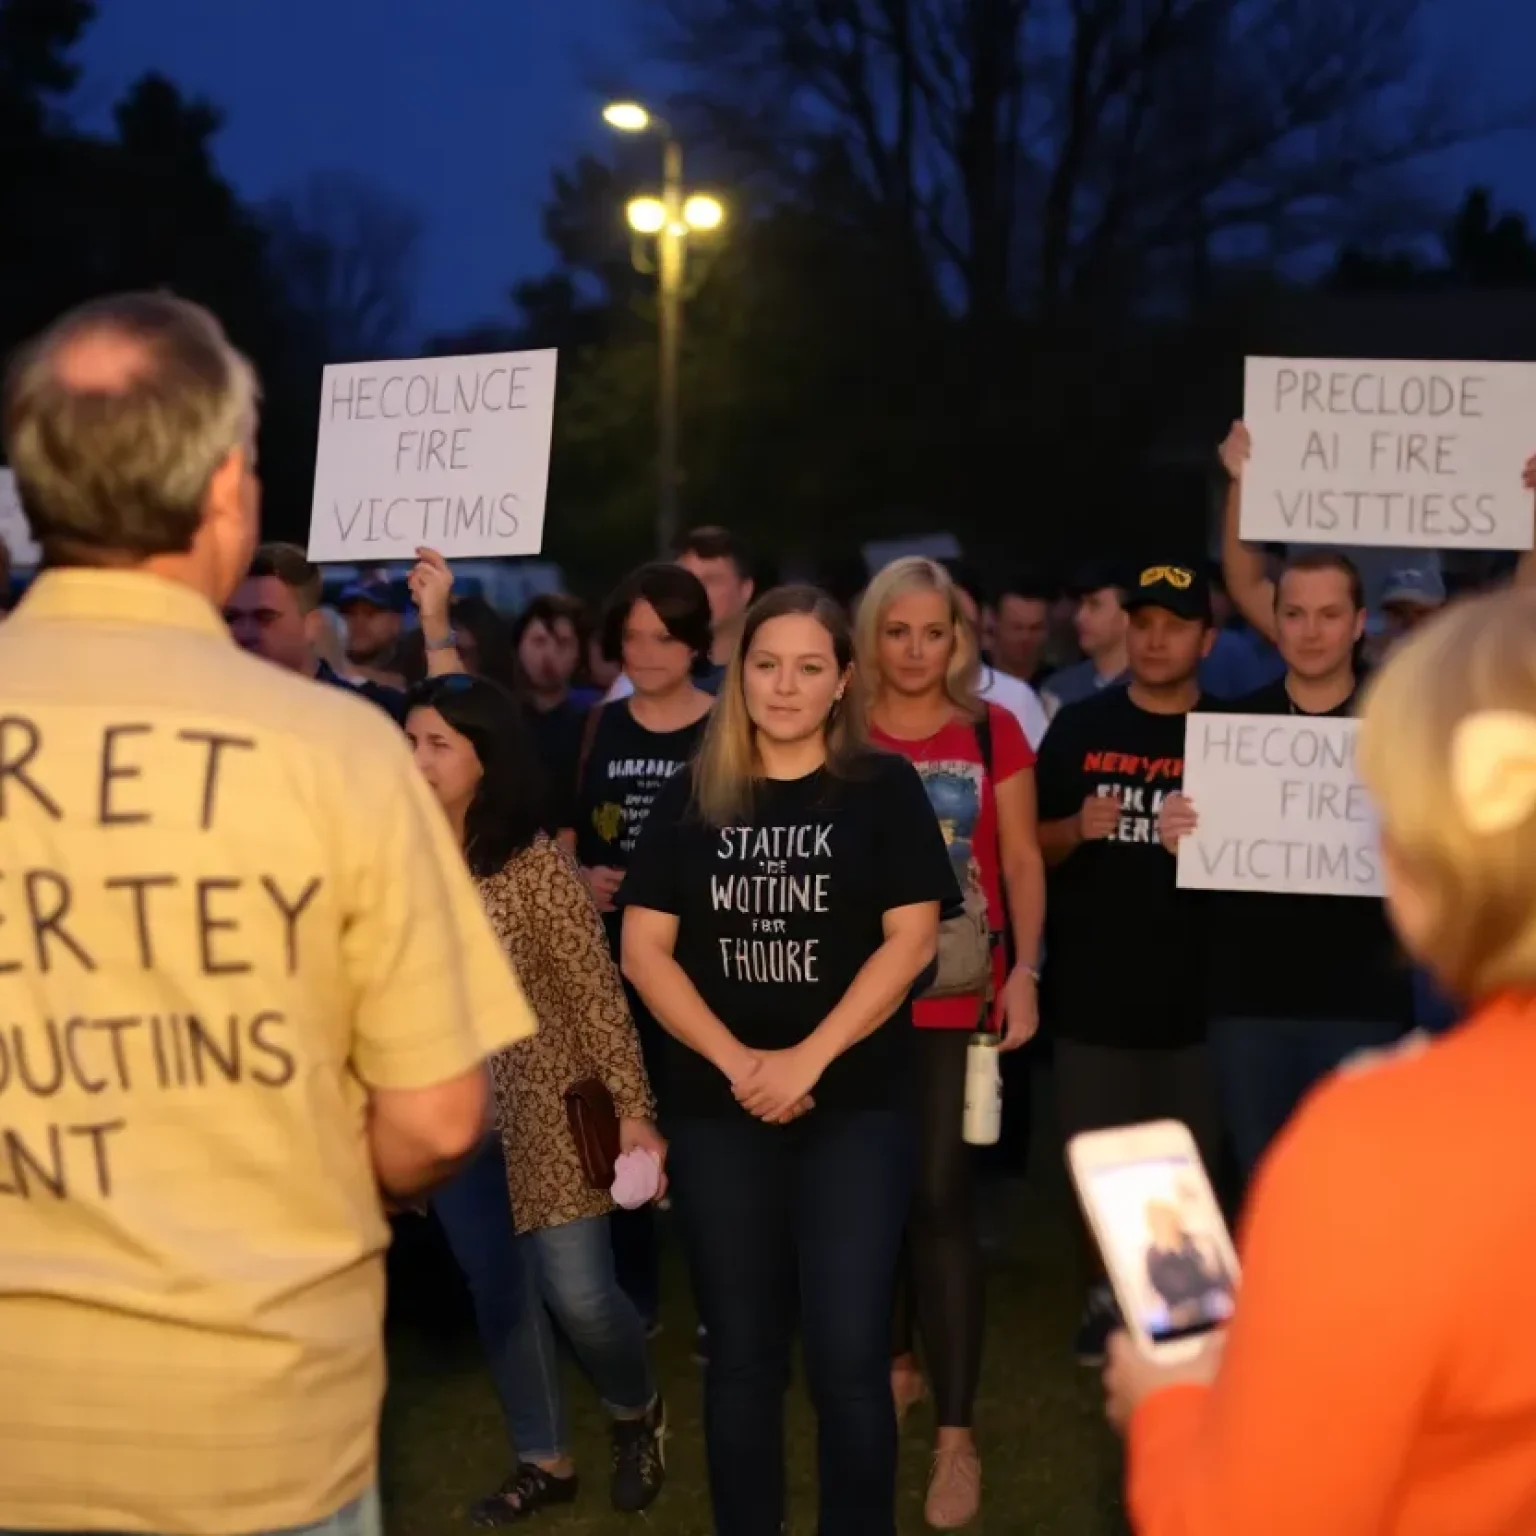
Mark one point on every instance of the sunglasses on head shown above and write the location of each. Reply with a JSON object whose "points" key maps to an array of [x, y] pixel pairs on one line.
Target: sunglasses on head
{"points": [[446, 686]]}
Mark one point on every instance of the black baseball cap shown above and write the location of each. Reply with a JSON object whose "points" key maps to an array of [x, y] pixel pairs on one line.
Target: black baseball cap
{"points": [[1183, 589]]}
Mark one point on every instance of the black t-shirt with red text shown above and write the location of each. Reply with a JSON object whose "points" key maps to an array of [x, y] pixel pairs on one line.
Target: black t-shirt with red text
{"points": [[1124, 947]]}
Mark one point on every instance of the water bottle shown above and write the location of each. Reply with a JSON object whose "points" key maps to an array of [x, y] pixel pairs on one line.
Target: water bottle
{"points": [[983, 1123]]}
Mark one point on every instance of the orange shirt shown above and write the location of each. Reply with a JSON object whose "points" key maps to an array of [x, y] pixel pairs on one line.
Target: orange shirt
{"points": [[1380, 1375]]}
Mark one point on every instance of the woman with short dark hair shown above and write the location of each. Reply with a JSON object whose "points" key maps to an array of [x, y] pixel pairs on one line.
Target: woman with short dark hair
{"points": [[658, 625]]}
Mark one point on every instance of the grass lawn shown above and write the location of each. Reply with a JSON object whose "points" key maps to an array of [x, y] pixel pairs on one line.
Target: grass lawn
{"points": [[1050, 1465]]}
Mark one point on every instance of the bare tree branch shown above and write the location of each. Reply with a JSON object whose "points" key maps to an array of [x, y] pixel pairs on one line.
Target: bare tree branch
{"points": [[346, 253], [1070, 142]]}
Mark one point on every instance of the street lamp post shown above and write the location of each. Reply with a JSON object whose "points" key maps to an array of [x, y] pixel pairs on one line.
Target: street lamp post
{"points": [[672, 255], [671, 219]]}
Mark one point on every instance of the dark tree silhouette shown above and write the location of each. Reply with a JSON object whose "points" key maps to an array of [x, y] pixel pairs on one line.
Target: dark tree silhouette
{"points": [[1028, 155], [1480, 248], [345, 254]]}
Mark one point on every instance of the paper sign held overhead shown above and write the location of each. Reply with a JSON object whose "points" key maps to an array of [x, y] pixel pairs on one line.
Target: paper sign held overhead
{"points": [[447, 452], [1408, 455], [1280, 807], [14, 532]]}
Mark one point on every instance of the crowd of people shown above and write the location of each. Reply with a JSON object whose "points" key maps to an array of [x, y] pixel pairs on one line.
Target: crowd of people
{"points": [[329, 925]]}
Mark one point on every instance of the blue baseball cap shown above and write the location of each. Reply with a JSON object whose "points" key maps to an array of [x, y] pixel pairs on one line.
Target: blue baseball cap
{"points": [[376, 591], [1417, 586]]}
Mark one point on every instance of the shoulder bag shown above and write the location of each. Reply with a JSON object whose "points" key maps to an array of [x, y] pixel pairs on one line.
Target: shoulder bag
{"points": [[965, 941]]}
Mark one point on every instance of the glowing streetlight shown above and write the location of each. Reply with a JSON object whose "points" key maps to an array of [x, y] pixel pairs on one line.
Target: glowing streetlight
{"points": [[670, 219], [627, 116], [646, 215], [703, 213]]}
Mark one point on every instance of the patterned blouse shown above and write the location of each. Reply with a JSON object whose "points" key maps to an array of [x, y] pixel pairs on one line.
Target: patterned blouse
{"points": [[545, 919]]}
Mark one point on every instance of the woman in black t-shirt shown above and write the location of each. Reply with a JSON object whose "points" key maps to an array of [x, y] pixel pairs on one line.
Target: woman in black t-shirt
{"points": [[658, 624], [783, 902]]}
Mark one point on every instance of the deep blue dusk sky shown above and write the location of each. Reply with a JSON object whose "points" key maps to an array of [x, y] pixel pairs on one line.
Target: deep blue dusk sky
{"points": [[463, 106]]}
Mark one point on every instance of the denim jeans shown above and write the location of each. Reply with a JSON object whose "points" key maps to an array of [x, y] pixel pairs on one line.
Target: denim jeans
{"points": [[568, 1271], [475, 1213], [804, 1221], [359, 1518], [1265, 1067], [636, 1242]]}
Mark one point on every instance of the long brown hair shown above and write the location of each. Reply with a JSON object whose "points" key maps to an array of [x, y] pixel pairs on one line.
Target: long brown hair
{"points": [[728, 765]]}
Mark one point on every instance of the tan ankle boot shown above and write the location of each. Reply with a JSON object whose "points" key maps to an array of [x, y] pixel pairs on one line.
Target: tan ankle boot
{"points": [[954, 1488]]}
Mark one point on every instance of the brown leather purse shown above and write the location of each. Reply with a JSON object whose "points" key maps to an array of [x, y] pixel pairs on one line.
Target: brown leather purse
{"points": [[594, 1123]]}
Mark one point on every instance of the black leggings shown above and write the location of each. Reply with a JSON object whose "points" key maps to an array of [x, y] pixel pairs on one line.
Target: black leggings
{"points": [[941, 1278]]}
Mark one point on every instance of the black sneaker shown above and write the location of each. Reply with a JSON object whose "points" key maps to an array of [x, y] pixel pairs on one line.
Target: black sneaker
{"points": [[1101, 1317], [639, 1459], [525, 1493]]}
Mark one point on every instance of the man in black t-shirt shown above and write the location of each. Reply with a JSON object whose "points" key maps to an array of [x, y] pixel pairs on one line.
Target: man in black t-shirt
{"points": [[1297, 983], [1124, 947]]}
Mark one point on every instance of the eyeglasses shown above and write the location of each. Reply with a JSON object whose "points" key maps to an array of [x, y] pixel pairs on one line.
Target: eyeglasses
{"points": [[1175, 575]]}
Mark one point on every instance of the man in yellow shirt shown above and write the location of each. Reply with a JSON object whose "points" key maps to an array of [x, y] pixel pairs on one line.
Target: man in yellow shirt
{"points": [[245, 982]]}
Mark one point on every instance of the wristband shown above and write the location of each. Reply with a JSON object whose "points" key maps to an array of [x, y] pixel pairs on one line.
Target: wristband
{"points": [[447, 643]]}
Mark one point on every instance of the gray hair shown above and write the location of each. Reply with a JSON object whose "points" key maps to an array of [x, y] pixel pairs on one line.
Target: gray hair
{"points": [[121, 472]]}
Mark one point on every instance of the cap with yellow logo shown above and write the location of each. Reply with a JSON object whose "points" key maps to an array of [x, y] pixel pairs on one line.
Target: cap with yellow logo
{"points": [[1183, 590]]}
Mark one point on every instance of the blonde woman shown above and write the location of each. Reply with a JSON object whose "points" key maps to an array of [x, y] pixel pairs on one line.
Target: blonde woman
{"points": [[1379, 1377], [919, 658], [783, 899]]}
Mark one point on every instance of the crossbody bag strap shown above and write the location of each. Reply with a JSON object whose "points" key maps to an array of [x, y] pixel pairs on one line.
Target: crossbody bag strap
{"points": [[588, 737]]}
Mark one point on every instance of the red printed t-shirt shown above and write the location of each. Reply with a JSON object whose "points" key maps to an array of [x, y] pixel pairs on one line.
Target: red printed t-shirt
{"points": [[961, 791]]}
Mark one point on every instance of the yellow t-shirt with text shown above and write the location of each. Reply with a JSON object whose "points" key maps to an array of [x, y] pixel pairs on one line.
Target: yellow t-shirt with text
{"points": [[228, 906]]}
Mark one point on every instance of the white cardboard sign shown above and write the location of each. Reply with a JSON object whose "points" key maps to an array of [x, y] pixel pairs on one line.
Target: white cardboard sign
{"points": [[1280, 807], [14, 530], [447, 452], [1408, 455]]}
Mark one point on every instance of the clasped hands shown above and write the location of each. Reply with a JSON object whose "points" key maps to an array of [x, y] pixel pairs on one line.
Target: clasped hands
{"points": [[775, 1086]]}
